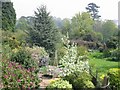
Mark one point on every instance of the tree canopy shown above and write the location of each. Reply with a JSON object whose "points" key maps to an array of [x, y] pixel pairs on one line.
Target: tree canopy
{"points": [[92, 8], [8, 16]]}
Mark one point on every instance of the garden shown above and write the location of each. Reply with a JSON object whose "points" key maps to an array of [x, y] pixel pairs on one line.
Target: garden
{"points": [[39, 54]]}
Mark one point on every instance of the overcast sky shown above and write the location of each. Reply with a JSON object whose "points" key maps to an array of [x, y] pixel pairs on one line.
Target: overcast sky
{"points": [[66, 8]]}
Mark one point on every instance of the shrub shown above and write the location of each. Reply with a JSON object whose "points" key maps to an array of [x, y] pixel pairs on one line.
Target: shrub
{"points": [[59, 84], [81, 50], [115, 54], [23, 57], [107, 53], [80, 80], [70, 62], [37, 52], [112, 54], [16, 76], [114, 75], [6, 51], [112, 42]]}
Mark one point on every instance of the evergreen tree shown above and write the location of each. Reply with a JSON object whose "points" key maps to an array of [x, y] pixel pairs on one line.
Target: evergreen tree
{"points": [[8, 16], [44, 32], [93, 10]]}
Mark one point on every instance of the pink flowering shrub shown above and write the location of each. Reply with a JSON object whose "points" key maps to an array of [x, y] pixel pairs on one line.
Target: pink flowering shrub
{"points": [[15, 75]]}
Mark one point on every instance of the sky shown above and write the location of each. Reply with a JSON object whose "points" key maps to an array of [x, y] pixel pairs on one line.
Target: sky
{"points": [[66, 8]]}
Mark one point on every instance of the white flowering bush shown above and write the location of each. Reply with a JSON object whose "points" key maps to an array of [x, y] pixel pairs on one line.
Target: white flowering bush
{"points": [[70, 62]]}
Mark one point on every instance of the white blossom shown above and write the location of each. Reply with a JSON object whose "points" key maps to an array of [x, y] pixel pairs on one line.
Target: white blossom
{"points": [[70, 62]]}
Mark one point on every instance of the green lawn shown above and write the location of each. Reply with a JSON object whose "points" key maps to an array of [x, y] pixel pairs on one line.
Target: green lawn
{"points": [[100, 63]]}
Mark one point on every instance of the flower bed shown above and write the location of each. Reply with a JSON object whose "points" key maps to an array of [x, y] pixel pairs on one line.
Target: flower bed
{"points": [[16, 76]]}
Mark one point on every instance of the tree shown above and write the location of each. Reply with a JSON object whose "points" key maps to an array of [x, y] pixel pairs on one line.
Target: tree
{"points": [[108, 29], [81, 24], [66, 26], [24, 23], [93, 10], [44, 33], [8, 16]]}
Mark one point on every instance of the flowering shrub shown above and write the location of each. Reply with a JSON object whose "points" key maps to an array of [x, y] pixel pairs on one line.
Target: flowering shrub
{"points": [[60, 85], [15, 76], [71, 62], [114, 75]]}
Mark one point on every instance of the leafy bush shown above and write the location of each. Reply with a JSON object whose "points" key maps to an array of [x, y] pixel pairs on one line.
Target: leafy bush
{"points": [[59, 84], [81, 50], [114, 75], [6, 51], [23, 57], [15, 76], [115, 54], [112, 54], [80, 80], [10, 40], [112, 42], [106, 53]]}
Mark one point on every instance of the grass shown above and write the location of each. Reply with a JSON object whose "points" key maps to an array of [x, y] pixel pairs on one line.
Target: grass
{"points": [[101, 64]]}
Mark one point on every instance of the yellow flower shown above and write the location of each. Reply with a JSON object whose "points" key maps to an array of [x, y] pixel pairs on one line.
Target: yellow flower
{"points": [[102, 76], [53, 80]]}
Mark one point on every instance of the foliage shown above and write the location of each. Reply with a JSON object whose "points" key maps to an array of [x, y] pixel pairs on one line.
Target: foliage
{"points": [[8, 16], [106, 53], [6, 51], [115, 54], [96, 54], [81, 24], [37, 52], [58, 22], [14, 39], [108, 29], [24, 23], [66, 28], [81, 50], [99, 63], [112, 54], [112, 42], [24, 58], [21, 37], [15, 76], [80, 80], [43, 69], [59, 84], [44, 32], [114, 77], [93, 9], [93, 36], [70, 62]]}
